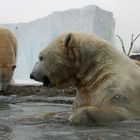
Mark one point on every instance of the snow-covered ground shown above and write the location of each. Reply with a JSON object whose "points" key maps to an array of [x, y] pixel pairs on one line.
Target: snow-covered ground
{"points": [[26, 82]]}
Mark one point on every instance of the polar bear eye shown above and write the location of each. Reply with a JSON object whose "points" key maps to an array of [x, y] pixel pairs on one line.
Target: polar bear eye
{"points": [[13, 67], [40, 58]]}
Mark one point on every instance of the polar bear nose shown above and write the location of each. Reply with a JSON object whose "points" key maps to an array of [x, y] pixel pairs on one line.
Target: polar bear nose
{"points": [[2, 88], [31, 76]]}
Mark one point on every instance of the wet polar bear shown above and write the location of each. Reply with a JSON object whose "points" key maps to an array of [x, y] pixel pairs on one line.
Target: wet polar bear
{"points": [[8, 54], [107, 81]]}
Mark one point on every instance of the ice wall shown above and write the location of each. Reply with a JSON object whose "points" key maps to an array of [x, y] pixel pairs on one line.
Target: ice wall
{"points": [[34, 36]]}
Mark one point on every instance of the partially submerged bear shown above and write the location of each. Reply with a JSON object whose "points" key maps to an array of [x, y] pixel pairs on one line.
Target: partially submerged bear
{"points": [[8, 52], [108, 82]]}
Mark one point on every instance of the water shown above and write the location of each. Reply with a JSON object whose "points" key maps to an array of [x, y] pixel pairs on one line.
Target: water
{"points": [[12, 127]]}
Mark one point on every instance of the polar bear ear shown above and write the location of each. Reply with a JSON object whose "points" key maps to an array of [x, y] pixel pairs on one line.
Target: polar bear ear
{"points": [[69, 41]]}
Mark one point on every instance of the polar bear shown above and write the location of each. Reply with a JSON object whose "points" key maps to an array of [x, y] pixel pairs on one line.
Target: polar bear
{"points": [[8, 54], [107, 81]]}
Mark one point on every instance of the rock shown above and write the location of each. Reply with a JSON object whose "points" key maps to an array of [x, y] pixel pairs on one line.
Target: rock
{"points": [[26, 90], [135, 56], [35, 35]]}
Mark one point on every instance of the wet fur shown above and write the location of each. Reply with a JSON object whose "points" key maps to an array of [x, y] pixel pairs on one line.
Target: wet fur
{"points": [[107, 81], [8, 54]]}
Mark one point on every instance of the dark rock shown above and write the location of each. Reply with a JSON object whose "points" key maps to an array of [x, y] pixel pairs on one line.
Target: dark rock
{"points": [[136, 57], [25, 90]]}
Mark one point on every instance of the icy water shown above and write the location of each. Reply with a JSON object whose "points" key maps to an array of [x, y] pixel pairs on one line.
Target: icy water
{"points": [[12, 128]]}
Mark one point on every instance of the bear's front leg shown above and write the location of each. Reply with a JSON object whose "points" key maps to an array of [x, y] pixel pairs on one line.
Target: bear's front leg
{"points": [[88, 114]]}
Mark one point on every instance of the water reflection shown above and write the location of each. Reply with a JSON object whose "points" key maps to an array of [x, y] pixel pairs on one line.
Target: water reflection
{"points": [[4, 106], [13, 129], [5, 132]]}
